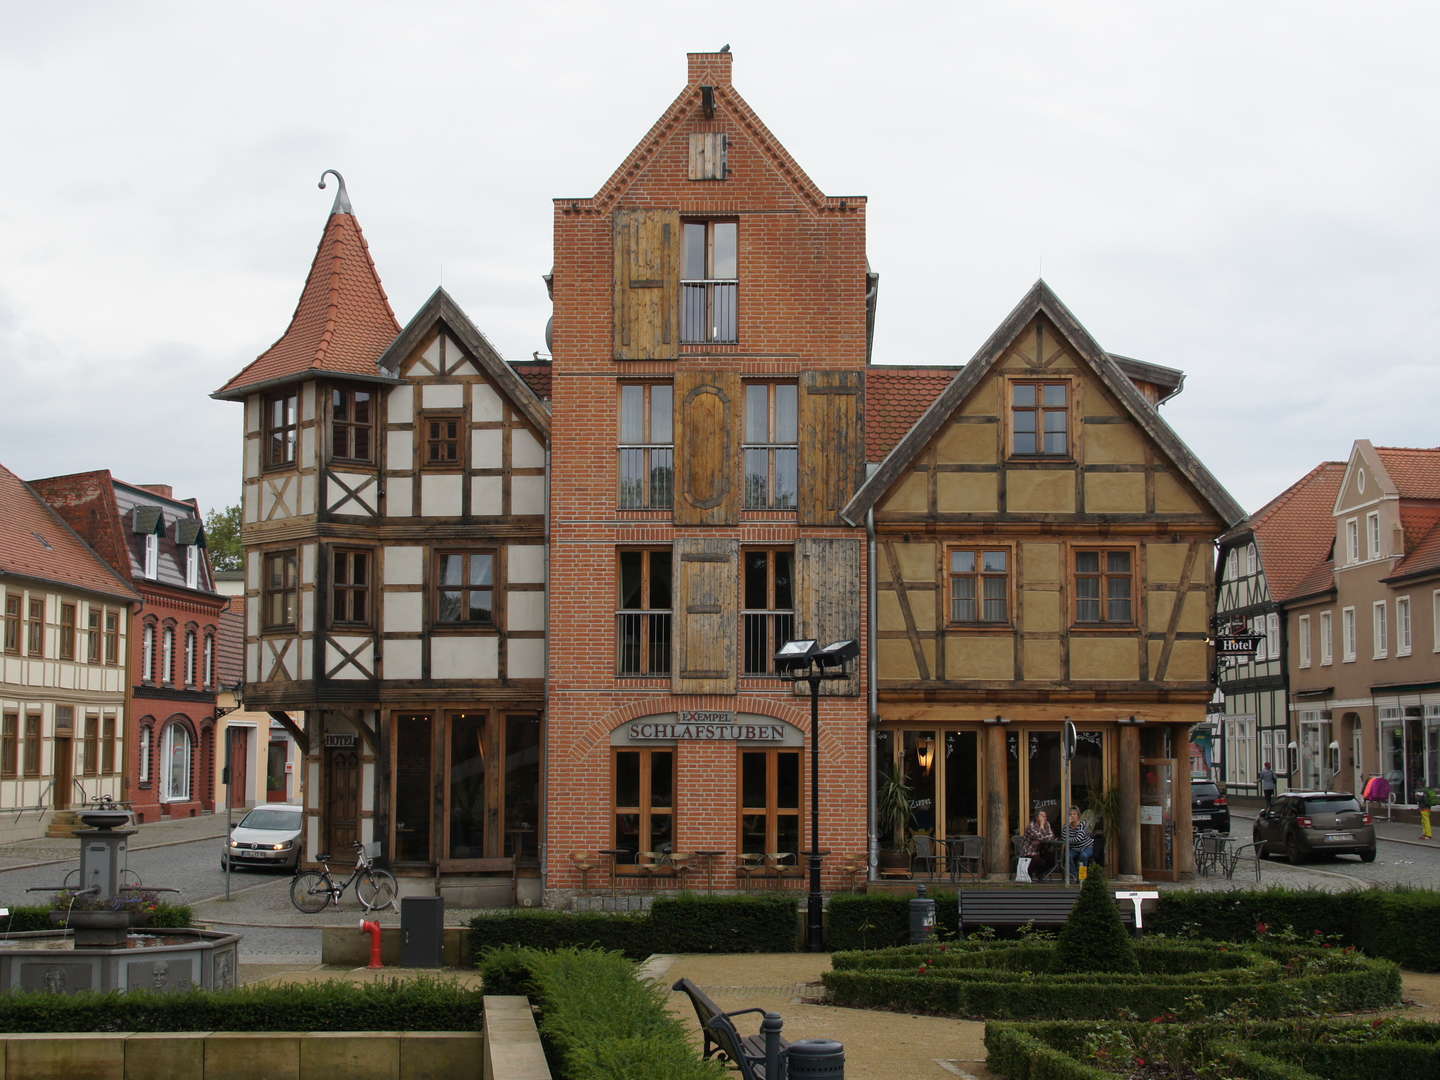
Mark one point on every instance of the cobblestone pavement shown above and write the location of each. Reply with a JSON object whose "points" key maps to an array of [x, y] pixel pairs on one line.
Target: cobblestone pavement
{"points": [[155, 834]]}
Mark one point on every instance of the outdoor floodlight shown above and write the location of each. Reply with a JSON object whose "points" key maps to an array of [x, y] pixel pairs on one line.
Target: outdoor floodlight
{"points": [[836, 653], [795, 655]]}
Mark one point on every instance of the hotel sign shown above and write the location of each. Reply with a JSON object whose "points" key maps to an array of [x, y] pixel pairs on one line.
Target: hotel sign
{"points": [[1244, 645], [705, 727]]}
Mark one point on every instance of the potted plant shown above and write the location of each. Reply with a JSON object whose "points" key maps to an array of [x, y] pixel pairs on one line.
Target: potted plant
{"points": [[1104, 810], [893, 813], [102, 922]]}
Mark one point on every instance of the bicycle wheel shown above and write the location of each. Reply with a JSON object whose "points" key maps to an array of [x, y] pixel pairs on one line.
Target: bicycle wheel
{"points": [[310, 892], [376, 888]]}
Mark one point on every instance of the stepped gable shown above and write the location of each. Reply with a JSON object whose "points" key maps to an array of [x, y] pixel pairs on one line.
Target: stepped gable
{"points": [[343, 321]]}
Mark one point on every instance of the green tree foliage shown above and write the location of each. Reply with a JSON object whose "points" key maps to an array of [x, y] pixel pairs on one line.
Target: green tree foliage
{"points": [[222, 538], [1094, 938]]}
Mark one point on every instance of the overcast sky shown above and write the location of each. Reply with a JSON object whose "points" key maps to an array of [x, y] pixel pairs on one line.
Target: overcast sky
{"points": [[1247, 192]]}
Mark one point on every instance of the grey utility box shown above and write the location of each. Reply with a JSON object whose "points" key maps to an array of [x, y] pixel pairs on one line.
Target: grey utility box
{"points": [[422, 931]]}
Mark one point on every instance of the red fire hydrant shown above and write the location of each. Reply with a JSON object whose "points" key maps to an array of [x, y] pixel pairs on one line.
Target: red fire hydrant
{"points": [[369, 926]]}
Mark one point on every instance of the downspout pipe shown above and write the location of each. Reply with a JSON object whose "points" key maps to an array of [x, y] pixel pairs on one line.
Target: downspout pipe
{"points": [[873, 855], [543, 847]]}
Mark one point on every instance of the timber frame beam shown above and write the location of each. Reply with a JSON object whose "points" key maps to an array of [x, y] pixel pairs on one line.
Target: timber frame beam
{"points": [[298, 733]]}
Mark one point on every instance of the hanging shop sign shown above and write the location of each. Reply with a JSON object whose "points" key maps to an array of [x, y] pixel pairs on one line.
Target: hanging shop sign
{"points": [[1244, 645]]}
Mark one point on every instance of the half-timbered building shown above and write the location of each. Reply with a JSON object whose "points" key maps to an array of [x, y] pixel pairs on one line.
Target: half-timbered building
{"points": [[1042, 553], [394, 529]]}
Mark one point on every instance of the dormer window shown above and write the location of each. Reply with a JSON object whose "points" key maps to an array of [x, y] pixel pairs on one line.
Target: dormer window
{"points": [[152, 556], [192, 567]]}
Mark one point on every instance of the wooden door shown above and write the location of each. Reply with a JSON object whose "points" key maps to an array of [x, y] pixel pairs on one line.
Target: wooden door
{"points": [[239, 766], [342, 802], [64, 776], [275, 785]]}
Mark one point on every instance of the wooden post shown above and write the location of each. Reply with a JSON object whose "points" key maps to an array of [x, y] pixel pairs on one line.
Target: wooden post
{"points": [[997, 800], [1129, 801], [1180, 810]]}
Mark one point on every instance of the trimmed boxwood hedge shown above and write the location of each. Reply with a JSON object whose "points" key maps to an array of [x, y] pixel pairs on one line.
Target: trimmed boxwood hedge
{"points": [[685, 923], [597, 1020], [391, 1005], [967, 982]]}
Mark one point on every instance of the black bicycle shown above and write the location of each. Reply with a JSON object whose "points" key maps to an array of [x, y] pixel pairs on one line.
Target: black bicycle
{"points": [[313, 889]]}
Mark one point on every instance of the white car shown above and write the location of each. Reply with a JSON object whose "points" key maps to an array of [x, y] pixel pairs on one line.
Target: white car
{"points": [[268, 836]]}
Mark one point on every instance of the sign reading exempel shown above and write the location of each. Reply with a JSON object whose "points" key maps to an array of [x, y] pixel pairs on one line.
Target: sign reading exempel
{"points": [[706, 727]]}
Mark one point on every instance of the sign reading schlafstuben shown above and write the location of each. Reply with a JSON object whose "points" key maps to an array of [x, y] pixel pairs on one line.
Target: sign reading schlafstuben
{"points": [[705, 726]]}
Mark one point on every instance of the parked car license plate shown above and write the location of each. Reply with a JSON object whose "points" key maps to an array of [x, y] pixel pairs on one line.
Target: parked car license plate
{"points": [[1330, 837], [1202, 817]]}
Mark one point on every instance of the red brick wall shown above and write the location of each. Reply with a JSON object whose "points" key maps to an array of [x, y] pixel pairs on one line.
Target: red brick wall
{"points": [[802, 307]]}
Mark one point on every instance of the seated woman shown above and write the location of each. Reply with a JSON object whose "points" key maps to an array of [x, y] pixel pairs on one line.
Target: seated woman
{"points": [[1037, 844], [1079, 843]]}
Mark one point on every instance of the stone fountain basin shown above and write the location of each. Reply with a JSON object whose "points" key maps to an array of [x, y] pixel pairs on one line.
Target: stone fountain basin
{"points": [[105, 819], [175, 959]]}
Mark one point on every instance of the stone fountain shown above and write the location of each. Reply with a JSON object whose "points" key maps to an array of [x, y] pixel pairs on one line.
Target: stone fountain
{"points": [[98, 950]]}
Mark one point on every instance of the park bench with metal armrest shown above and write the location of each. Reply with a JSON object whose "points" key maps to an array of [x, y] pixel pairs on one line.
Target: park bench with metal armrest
{"points": [[746, 1052], [1017, 907]]}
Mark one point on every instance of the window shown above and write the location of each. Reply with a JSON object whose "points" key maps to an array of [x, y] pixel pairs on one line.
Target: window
{"points": [[280, 595], [175, 759], [67, 631], [647, 446], [1303, 633], [352, 423], [1404, 640], [1272, 635], [465, 588], [442, 441], [644, 803], [643, 621], [281, 429], [144, 770], [980, 586], [107, 745], [1380, 626], [12, 622], [10, 744], [167, 656], [769, 608], [708, 282], [1352, 541], [1435, 620], [147, 653], [772, 452], [190, 657], [90, 748], [209, 659], [35, 628], [1040, 419], [1327, 641], [350, 587], [192, 566], [1372, 533], [770, 803], [1103, 587], [1347, 634], [152, 556], [92, 638], [112, 637], [32, 744]]}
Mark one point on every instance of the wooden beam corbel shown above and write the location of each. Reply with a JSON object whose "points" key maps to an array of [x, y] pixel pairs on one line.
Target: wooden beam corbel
{"points": [[297, 733]]}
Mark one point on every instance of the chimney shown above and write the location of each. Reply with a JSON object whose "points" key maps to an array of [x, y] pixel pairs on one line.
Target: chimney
{"points": [[163, 490], [709, 68]]}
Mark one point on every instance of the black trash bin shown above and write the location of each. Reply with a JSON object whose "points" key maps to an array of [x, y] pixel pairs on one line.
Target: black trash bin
{"points": [[422, 931]]}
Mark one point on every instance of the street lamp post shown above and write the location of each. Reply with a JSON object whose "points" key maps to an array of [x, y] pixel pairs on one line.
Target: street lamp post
{"points": [[804, 660]]}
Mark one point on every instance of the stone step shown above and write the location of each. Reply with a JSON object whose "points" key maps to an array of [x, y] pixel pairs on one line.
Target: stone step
{"points": [[63, 825]]}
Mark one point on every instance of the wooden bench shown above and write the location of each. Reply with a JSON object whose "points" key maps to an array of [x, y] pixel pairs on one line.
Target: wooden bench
{"points": [[1016, 907], [746, 1053]]}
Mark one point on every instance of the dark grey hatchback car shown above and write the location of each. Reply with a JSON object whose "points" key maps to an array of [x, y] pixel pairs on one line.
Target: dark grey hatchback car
{"points": [[1303, 824]]}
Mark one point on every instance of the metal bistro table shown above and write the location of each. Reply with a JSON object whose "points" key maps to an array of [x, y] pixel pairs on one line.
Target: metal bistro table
{"points": [[709, 857]]}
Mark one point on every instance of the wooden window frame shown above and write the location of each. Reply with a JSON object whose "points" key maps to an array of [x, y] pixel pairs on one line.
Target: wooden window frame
{"points": [[167, 656], [772, 616], [209, 659], [92, 639], [650, 450], [34, 737], [192, 657], [147, 651], [10, 744], [112, 637], [354, 595], [979, 576], [1327, 638], [650, 617], [709, 286], [90, 745], [428, 444], [343, 398], [437, 589], [287, 430], [107, 744], [1372, 534], [192, 566], [1103, 575], [771, 811], [1404, 627], [1040, 411], [35, 627], [1352, 541], [1302, 634], [288, 560], [152, 556], [69, 612], [771, 446], [1379, 630], [646, 810], [13, 608], [1349, 632], [146, 749]]}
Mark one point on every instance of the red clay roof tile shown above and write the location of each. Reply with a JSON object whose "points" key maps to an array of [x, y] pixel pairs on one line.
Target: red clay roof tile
{"points": [[1294, 531], [896, 397], [1416, 472], [536, 374], [343, 320]]}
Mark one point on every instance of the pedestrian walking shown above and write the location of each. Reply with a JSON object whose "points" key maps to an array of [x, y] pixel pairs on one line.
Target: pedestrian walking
{"points": [[1422, 800], [1267, 784]]}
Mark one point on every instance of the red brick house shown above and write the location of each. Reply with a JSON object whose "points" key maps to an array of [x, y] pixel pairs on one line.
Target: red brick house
{"points": [[157, 543]]}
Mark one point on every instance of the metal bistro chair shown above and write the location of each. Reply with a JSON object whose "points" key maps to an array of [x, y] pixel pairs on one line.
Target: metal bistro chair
{"points": [[967, 856], [776, 860], [751, 865], [584, 862], [929, 850]]}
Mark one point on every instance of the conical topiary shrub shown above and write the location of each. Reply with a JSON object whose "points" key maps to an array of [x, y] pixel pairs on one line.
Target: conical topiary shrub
{"points": [[1094, 938]]}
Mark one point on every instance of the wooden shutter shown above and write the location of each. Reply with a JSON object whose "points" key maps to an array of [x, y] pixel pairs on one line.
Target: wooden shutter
{"points": [[707, 155], [827, 602], [832, 444], [707, 448], [707, 607], [647, 283]]}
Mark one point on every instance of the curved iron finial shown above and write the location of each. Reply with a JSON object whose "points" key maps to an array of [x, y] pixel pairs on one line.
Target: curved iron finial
{"points": [[342, 197]]}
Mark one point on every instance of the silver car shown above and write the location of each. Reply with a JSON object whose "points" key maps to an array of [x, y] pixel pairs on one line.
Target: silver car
{"points": [[268, 836]]}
